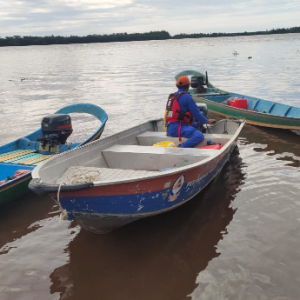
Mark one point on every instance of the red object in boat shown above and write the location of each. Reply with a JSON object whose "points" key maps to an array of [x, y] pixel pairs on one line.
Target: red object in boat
{"points": [[20, 172], [17, 174], [216, 147], [239, 103]]}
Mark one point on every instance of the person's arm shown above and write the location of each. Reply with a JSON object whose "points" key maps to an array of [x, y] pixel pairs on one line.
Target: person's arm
{"points": [[194, 109]]}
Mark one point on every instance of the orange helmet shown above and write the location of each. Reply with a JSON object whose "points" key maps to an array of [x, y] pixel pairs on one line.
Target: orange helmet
{"points": [[183, 80]]}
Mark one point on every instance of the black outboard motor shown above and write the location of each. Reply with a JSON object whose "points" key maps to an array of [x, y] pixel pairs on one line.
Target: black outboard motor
{"points": [[197, 81], [56, 129]]}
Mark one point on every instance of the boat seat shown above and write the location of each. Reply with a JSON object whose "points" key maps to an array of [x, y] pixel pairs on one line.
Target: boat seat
{"points": [[153, 158], [23, 157], [149, 138]]}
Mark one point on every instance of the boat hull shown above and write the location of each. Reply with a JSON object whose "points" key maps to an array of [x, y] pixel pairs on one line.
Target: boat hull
{"points": [[101, 209], [252, 117], [14, 190]]}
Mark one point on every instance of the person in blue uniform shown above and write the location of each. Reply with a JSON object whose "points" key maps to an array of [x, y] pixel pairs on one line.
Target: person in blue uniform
{"points": [[184, 122]]}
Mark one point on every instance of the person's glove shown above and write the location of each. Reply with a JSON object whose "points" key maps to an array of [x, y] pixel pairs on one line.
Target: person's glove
{"points": [[211, 121]]}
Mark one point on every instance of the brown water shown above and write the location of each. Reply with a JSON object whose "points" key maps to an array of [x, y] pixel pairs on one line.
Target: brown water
{"points": [[238, 239]]}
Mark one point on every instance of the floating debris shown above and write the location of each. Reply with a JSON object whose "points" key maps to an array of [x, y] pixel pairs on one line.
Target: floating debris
{"points": [[235, 52], [249, 57]]}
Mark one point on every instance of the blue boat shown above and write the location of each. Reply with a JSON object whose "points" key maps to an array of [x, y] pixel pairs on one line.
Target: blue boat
{"points": [[255, 110], [20, 157]]}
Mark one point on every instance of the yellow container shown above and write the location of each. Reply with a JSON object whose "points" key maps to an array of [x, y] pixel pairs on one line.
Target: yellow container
{"points": [[165, 144]]}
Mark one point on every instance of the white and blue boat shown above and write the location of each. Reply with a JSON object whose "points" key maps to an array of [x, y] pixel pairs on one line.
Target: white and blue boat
{"points": [[111, 182]]}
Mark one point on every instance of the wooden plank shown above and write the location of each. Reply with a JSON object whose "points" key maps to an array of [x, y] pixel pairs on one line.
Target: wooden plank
{"points": [[34, 161], [14, 154], [17, 160]]}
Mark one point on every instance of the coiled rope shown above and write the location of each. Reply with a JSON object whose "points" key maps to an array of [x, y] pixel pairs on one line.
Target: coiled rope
{"points": [[77, 175]]}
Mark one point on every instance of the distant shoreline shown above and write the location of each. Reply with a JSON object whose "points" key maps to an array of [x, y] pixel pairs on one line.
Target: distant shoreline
{"points": [[17, 40]]}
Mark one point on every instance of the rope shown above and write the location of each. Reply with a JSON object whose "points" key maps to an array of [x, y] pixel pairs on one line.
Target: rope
{"points": [[77, 175], [64, 214]]}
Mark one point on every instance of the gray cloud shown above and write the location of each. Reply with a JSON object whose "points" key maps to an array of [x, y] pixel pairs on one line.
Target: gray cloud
{"points": [[83, 17]]}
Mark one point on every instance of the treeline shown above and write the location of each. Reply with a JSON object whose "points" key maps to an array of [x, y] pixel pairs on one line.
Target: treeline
{"points": [[17, 40], [217, 34]]}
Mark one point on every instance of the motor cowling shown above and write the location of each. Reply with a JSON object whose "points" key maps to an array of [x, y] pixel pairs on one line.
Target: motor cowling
{"points": [[197, 81], [56, 129]]}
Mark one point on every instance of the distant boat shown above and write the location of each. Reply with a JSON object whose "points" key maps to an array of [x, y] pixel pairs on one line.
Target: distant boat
{"points": [[123, 178], [257, 111], [20, 157]]}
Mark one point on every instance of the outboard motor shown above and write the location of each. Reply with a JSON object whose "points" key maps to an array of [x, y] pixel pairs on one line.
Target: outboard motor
{"points": [[197, 81], [198, 84], [56, 129]]}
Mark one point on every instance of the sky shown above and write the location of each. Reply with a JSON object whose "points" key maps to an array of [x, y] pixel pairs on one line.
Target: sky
{"points": [[84, 17]]}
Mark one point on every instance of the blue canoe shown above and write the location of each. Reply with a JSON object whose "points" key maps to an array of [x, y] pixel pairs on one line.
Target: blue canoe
{"points": [[257, 112], [20, 157]]}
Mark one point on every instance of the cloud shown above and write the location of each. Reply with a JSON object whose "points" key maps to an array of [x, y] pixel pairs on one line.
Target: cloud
{"points": [[83, 17]]}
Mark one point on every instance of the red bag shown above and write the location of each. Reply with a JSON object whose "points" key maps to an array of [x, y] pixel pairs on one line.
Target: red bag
{"points": [[216, 147]]}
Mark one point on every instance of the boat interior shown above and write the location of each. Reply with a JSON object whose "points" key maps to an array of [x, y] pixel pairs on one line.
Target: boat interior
{"points": [[22, 154], [143, 156], [9, 170], [19, 159], [253, 103], [131, 154]]}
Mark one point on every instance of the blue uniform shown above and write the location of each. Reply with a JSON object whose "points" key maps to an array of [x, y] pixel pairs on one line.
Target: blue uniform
{"points": [[187, 103]]}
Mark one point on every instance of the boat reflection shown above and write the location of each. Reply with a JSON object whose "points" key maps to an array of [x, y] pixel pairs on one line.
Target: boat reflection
{"points": [[283, 143], [154, 258], [17, 217]]}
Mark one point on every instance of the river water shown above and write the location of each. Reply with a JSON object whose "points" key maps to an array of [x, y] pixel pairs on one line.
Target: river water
{"points": [[238, 239]]}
